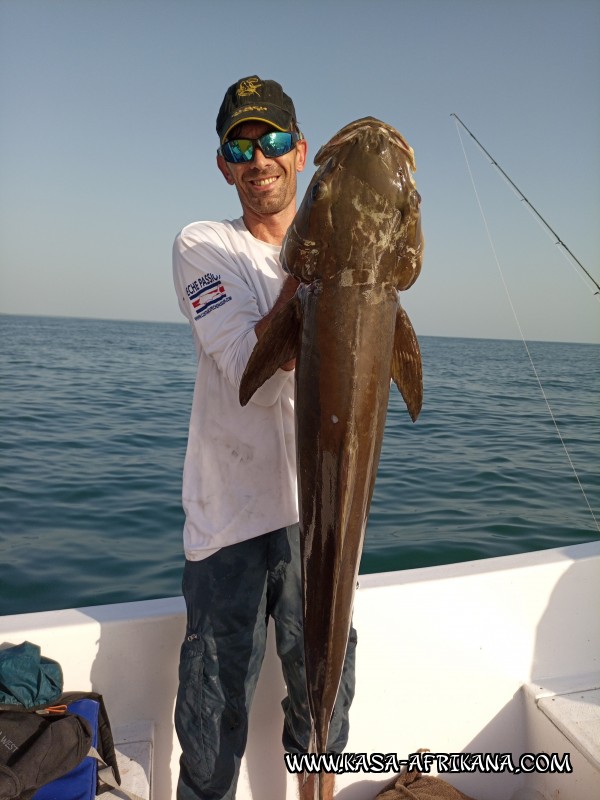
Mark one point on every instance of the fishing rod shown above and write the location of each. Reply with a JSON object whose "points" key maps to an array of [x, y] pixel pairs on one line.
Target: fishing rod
{"points": [[559, 241]]}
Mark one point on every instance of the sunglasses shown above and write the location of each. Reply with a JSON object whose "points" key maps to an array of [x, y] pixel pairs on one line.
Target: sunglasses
{"points": [[273, 145]]}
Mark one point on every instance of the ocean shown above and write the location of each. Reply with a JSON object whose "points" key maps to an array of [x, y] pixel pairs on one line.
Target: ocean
{"points": [[94, 418]]}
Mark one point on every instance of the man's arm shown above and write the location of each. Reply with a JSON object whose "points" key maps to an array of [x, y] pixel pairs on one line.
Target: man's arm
{"points": [[228, 333]]}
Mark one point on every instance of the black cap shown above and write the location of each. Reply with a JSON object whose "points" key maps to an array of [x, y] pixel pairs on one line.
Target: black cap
{"points": [[253, 98]]}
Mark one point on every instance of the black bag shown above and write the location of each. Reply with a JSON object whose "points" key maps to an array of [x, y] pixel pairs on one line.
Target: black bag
{"points": [[36, 748]]}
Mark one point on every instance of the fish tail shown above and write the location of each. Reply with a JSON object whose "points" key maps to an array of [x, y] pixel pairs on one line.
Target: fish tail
{"points": [[312, 742], [317, 786]]}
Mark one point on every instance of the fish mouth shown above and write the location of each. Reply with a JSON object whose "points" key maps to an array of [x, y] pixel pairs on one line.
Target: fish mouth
{"points": [[360, 128]]}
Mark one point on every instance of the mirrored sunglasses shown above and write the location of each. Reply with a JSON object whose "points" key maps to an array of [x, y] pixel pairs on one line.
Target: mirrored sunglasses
{"points": [[273, 145]]}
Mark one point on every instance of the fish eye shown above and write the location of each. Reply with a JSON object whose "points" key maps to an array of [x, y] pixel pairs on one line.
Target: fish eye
{"points": [[319, 190]]}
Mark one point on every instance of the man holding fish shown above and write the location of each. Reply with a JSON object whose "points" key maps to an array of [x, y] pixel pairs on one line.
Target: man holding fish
{"points": [[241, 536]]}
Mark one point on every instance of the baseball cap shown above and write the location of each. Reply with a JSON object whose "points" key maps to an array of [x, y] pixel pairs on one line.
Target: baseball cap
{"points": [[255, 99]]}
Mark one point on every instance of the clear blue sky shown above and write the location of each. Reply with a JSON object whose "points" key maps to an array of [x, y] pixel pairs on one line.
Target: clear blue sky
{"points": [[107, 143]]}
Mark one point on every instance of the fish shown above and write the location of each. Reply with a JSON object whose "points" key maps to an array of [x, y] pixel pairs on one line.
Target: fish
{"points": [[354, 244]]}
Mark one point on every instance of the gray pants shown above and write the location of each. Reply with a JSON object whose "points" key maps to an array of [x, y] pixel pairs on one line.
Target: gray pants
{"points": [[229, 598]]}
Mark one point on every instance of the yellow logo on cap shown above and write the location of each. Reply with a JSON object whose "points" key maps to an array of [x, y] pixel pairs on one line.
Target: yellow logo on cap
{"points": [[247, 109], [248, 87]]}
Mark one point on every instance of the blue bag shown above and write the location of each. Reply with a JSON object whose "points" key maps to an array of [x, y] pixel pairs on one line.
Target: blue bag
{"points": [[98, 771], [80, 782]]}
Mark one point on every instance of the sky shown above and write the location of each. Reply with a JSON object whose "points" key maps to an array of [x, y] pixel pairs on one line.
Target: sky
{"points": [[108, 142]]}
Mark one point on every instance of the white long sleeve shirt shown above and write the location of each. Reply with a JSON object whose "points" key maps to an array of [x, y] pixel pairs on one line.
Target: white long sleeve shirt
{"points": [[239, 477]]}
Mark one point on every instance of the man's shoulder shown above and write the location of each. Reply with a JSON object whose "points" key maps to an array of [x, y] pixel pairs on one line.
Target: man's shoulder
{"points": [[209, 231], [209, 247]]}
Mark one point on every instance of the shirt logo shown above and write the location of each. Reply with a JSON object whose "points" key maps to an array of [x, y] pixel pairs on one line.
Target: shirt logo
{"points": [[206, 294], [248, 87]]}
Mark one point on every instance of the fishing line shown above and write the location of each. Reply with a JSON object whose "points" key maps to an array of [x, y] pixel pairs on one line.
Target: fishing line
{"points": [[535, 372], [570, 257]]}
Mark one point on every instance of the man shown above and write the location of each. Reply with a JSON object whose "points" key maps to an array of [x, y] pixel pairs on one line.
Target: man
{"points": [[241, 533]]}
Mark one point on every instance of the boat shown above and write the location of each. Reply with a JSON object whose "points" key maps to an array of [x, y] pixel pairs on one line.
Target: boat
{"points": [[492, 666], [497, 658]]}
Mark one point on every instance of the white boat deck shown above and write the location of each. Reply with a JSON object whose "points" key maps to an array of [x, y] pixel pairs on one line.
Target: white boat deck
{"points": [[463, 658], [134, 749], [577, 716], [574, 708]]}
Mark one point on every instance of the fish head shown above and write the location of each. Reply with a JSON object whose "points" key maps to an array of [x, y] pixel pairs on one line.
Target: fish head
{"points": [[360, 216]]}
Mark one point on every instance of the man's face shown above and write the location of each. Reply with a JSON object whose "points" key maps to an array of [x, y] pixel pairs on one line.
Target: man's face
{"points": [[265, 186]]}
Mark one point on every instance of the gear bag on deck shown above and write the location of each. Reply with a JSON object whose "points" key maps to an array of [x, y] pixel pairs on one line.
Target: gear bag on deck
{"points": [[47, 738]]}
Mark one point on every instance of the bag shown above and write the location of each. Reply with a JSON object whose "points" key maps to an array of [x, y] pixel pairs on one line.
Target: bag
{"points": [[37, 747], [27, 678], [83, 782], [45, 734], [98, 771]]}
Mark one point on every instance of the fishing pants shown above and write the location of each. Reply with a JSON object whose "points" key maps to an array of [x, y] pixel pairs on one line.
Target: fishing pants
{"points": [[229, 597]]}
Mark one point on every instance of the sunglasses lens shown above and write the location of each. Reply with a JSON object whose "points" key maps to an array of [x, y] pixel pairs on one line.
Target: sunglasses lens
{"points": [[238, 151], [276, 144]]}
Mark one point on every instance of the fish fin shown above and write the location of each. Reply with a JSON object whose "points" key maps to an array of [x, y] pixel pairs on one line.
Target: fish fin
{"points": [[278, 344], [407, 370]]}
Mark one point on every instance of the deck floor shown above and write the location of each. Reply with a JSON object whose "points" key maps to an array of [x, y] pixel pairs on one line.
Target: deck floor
{"points": [[577, 715]]}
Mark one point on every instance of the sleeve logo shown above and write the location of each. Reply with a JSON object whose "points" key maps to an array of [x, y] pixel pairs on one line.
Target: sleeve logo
{"points": [[206, 294]]}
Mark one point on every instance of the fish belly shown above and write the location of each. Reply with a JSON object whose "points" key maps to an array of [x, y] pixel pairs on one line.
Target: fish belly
{"points": [[343, 380]]}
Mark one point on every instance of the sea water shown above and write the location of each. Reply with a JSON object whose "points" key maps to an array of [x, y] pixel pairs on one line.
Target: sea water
{"points": [[94, 418]]}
